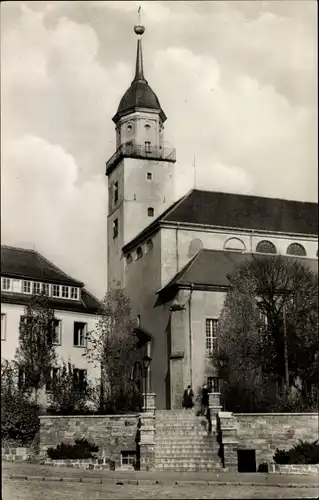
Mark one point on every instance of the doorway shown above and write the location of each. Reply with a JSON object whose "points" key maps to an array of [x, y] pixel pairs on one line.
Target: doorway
{"points": [[246, 460]]}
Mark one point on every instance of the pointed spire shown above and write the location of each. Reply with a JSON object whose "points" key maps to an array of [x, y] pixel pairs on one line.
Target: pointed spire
{"points": [[139, 30]]}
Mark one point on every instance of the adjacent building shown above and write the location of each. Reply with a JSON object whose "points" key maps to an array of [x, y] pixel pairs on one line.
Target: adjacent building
{"points": [[173, 257], [26, 272]]}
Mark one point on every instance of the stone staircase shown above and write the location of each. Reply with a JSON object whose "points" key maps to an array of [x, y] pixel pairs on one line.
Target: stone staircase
{"points": [[183, 442]]}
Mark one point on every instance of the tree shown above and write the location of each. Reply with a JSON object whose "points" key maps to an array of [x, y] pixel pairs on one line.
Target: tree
{"points": [[19, 416], [114, 346], [36, 355], [68, 393], [268, 340]]}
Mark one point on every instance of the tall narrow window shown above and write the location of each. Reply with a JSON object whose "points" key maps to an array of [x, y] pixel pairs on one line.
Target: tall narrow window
{"points": [[115, 228], [79, 379], [150, 212], [211, 335], [116, 191], [65, 292], [55, 290], [3, 326], [213, 384], [79, 334], [139, 253], [46, 288], [147, 146], [27, 287], [36, 288], [74, 293], [5, 284], [52, 379], [56, 331]]}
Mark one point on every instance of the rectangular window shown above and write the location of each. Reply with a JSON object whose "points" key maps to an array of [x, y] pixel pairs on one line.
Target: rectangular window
{"points": [[79, 334], [213, 384], [65, 292], [3, 326], [5, 284], [52, 379], [128, 458], [116, 191], [74, 293], [36, 288], [149, 176], [79, 379], [115, 228], [211, 335], [55, 290], [27, 287], [56, 332], [45, 288], [147, 146]]}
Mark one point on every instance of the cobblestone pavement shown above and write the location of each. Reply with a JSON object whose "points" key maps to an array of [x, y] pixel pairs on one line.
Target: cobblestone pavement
{"points": [[53, 490], [31, 470]]}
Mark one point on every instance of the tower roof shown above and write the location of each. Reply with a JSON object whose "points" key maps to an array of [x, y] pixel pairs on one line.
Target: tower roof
{"points": [[139, 95]]}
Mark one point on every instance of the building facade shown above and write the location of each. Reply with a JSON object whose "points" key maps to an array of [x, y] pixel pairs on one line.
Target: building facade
{"points": [[26, 272], [173, 257]]}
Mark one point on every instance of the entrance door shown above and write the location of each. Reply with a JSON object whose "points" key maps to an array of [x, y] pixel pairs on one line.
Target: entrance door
{"points": [[246, 460]]}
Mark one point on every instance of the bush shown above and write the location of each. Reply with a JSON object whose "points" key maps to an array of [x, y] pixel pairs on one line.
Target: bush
{"points": [[301, 453], [81, 449], [19, 416]]}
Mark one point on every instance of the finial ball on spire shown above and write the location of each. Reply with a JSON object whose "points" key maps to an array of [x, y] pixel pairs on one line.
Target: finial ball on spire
{"points": [[139, 29]]}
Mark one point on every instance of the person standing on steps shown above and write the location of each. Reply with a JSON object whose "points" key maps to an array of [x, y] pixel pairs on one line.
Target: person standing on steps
{"points": [[188, 398], [204, 401]]}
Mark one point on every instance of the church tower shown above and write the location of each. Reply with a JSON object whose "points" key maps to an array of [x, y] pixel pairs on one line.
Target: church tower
{"points": [[140, 173]]}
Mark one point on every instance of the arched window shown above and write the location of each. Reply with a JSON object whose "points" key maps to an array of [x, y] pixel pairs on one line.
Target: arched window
{"points": [[149, 245], [147, 127], [150, 212], [296, 249], [139, 253], [129, 258], [235, 244], [266, 247]]}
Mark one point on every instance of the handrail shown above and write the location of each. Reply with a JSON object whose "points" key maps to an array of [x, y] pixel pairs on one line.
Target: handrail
{"points": [[130, 150]]}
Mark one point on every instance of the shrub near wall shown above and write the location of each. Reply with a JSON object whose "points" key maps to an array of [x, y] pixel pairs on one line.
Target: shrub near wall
{"points": [[111, 433]]}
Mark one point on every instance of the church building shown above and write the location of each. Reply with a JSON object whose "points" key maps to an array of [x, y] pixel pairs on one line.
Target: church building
{"points": [[173, 257]]}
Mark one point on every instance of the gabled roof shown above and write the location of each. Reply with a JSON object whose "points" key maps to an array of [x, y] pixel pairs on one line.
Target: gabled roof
{"points": [[87, 304], [237, 211], [246, 212], [29, 264], [210, 268]]}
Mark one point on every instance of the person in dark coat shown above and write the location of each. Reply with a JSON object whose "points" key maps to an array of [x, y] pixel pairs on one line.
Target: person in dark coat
{"points": [[188, 398], [205, 401]]}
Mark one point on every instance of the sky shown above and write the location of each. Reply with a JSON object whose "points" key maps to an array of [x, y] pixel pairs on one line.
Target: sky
{"points": [[236, 79]]}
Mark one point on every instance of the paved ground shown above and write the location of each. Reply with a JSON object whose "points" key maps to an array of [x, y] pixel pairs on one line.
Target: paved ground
{"points": [[36, 490], [64, 484]]}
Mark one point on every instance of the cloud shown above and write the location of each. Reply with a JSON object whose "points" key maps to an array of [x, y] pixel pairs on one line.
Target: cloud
{"points": [[236, 80]]}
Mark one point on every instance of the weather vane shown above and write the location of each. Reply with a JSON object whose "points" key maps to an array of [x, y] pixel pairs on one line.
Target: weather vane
{"points": [[139, 29]]}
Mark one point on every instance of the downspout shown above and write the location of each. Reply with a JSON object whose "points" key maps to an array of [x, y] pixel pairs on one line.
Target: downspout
{"points": [[190, 335], [176, 249]]}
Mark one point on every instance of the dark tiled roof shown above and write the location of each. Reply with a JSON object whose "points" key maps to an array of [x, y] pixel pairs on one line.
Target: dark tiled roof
{"points": [[88, 303], [246, 212], [211, 267], [23, 263], [139, 95]]}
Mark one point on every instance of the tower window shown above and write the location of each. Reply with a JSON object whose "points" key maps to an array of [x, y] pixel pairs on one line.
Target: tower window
{"points": [[147, 146], [149, 176], [147, 127], [129, 127], [116, 192], [211, 335], [115, 228], [129, 258], [150, 212], [149, 245]]}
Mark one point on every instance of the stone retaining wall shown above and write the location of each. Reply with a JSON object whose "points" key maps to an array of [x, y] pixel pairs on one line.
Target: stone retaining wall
{"points": [[311, 469], [111, 433], [85, 463], [13, 454]]}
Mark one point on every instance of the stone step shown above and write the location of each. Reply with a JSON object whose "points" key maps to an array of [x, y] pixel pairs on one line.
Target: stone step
{"points": [[184, 438], [187, 456], [187, 469]]}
